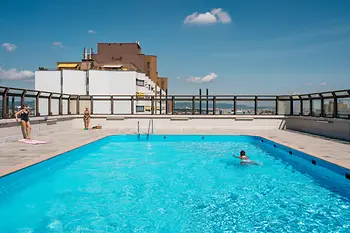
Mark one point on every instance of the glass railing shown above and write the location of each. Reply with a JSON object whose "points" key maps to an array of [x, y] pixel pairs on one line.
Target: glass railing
{"points": [[332, 104]]}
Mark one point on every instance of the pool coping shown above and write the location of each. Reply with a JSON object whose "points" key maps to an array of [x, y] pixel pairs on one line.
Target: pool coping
{"points": [[330, 165], [42, 159], [316, 161]]}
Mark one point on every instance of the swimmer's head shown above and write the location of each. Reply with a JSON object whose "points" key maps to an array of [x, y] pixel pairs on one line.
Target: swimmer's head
{"points": [[242, 153]]}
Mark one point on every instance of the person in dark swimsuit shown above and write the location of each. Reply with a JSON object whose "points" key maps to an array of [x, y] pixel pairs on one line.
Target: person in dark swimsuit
{"points": [[86, 118], [24, 116], [245, 159]]}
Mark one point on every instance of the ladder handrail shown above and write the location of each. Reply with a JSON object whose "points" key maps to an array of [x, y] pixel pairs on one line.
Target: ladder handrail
{"points": [[138, 129], [152, 127], [149, 126]]}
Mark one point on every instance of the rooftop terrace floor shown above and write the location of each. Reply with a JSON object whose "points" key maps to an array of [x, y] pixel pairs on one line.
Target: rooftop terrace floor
{"points": [[16, 155]]}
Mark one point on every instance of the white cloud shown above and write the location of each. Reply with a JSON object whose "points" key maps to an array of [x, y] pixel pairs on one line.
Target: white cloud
{"points": [[309, 84], [178, 77], [58, 44], [216, 15], [14, 74], [323, 84], [208, 78], [9, 47], [91, 32]]}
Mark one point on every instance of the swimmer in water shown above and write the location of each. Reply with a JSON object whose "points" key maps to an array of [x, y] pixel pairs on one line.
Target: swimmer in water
{"points": [[244, 158]]}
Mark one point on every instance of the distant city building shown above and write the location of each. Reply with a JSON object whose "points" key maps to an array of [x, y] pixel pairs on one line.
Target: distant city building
{"points": [[329, 107]]}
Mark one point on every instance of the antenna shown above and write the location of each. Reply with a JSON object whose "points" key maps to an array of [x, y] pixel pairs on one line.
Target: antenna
{"points": [[90, 54], [85, 56]]}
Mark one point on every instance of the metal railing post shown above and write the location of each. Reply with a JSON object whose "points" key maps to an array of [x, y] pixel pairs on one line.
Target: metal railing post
{"points": [[91, 105], [68, 105], [78, 105], [37, 97], [112, 105], [166, 102], [173, 104], [152, 105], [214, 105], [23, 96], [335, 105], [132, 104], [60, 107], [49, 105], [291, 105], [322, 107], [4, 103], [160, 101], [207, 92], [13, 106], [8, 107], [301, 106], [234, 105], [193, 105], [276, 105], [256, 105], [310, 110], [200, 101]]}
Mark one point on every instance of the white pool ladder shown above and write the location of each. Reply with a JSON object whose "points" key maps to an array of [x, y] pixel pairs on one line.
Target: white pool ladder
{"points": [[149, 131], [150, 124]]}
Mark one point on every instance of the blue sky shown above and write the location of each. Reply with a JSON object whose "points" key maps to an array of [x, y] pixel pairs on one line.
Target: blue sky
{"points": [[240, 47]]}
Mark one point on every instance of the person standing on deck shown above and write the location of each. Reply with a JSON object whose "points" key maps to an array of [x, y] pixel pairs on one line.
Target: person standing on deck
{"points": [[25, 124], [86, 118]]}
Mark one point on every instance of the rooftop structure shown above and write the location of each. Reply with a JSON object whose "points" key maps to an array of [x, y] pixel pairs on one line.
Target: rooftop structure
{"points": [[118, 57]]}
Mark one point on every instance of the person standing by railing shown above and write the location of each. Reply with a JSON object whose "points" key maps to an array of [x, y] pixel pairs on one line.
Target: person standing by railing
{"points": [[86, 119], [26, 127]]}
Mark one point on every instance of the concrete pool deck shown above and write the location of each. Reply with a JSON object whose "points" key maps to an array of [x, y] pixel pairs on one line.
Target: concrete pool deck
{"points": [[16, 155]]}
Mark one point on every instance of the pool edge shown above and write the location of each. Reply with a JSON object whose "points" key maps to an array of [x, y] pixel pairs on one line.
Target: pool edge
{"points": [[304, 155], [39, 160], [315, 160]]}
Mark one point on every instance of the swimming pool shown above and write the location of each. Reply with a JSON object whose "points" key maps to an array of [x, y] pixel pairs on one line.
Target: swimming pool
{"points": [[176, 184]]}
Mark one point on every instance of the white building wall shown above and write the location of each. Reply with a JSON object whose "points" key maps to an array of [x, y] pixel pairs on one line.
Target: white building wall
{"points": [[49, 81], [112, 83], [101, 83], [74, 82]]}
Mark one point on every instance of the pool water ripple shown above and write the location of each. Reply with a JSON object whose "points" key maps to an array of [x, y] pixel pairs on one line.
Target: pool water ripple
{"points": [[176, 186]]}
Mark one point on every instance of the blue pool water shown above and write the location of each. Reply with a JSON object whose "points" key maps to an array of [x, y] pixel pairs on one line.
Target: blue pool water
{"points": [[174, 184]]}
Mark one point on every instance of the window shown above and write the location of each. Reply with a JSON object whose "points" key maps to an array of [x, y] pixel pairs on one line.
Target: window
{"points": [[148, 65], [140, 108], [148, 74], [140, 82]]}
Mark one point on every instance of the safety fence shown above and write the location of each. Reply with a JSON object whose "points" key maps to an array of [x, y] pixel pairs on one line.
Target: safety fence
{"points": [[332, 104]]}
